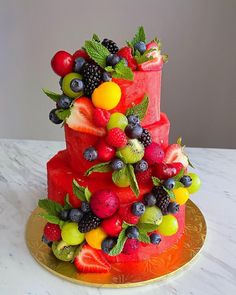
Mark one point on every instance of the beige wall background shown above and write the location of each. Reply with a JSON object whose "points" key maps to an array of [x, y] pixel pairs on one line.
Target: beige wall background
{"points": [[199, 82]]}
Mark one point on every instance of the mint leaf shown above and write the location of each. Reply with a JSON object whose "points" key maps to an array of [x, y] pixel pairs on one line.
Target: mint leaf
{"points": [[156, 181], [67, 203], [96, 38], [97, 52], [147, 227], [139, 36], [165, 58], [125, 224], [54, 96], [63, 114], [178, 176], [50, 218], [122, 71], [117, 249], [133, 181], [143, 237], [139, 109], [51, 207], [87, 194], [101, 167], [169, 192], [141, 58], [119, 174], [178, 184], [79, 191], [109, 69]]}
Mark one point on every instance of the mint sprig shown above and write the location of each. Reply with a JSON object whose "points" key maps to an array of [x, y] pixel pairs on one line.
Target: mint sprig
{"points": [[141, 58], [67, 204], [133, 181], [101, 167], [139, 36], [52, 219], [156, 181], [95, 38], [117, 249], [97, 52], [63, 114], [139, 109], [51, 207], [54, 96], [143, 237], [82, 193], [147, 227], [169, 192], [122, 71], [178, 176]]}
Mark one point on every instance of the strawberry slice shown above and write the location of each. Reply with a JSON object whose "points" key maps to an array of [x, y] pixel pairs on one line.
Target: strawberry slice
{"points": [[126, 52], [174, 153], [81, 117], [154, 64], [88, 259]]}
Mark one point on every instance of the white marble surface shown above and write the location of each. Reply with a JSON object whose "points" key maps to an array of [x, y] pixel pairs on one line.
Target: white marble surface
{"points": [[23, 182]]}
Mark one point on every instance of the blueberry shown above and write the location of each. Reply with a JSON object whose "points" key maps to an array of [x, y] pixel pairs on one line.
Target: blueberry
{"points": [[85, 207], [132, 232], [140, 46], [46, 241], [79, 63], [138, 208], [169, 183], [64, 102], [64, 215], [132, 119], [90, 154], [75, 215], [155, 239], [149, 199], [117, 164], [133, 131], [141, 166], [76, 85], [112, 60], [186, 180], [106, 77], [108, 244], [173, 208], [53, 117]]}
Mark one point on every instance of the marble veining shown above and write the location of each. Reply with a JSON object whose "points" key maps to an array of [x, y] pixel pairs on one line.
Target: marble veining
{"points": [[23, 182]]}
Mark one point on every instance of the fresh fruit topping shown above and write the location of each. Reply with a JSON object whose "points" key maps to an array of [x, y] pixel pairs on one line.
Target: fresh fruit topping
{"points": [[165, 171], [154, 154], [110, 45], [92, 75], [162, 202], [151, 215], [112, 225], [104, 203], [117, 164], [140, 46], [133, 131], [106, 77], [107, 95], [154, 64], [173, 208], [169, 225], [186, 180], [80, 53], [95, 237], [62, 63], [81, 117], [130, 246], [46, 241], [126, 52], [76, 85], [90, 154], [70, 83], [174, 153], [54, 118], [126, 214], [64, 215], [133, 120], [90, 260], [149, 199], [121, 177], [181, 195], [138, 208], [108, 244], [79, 63], [105, 152], [71, 234], [52, 232], [145, 138], [132, 152], [64, 102], [112, 60], [76, 215], [155, 238], [85, 208], [140, 166], [196, 183], [89, 222], [63, 251], [101, 117], [144, 177], [169, 183], [117, 120], [132, 232], [116, 138]]}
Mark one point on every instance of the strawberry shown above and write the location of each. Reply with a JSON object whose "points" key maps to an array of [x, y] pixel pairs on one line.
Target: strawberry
{"points": [[112, 225], [144, 177], [101, 117], [116, 138], [88, 259], [126, 52], [81, 53], [154, 64], [126, 214], [81, 117], [174, 153], [52, 232], [105, 152], [165, 171], [153, 154]]}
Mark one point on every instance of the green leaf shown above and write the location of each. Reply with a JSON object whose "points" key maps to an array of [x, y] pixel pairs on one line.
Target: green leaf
{"points": [[50, 218], [143, 237], [179, 141], [143, 58], [178, 184], [67, 205], [122, 71], [101, 167], [165, 58], [87, 194], [147, 227], [156, 181], [109, 69], [97, 52], [169, 192], [139, 109], [121, 174], [63, 114], [54, 96], [158, 41], [178, 176], [125, 224], [79, 191], [190, 163], [139, 36], [96, 38], [117, 249], [133, 181], [51, 207]]}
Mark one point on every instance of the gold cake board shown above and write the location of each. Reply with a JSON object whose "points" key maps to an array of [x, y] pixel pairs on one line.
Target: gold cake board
{"points": [[137, 273]]}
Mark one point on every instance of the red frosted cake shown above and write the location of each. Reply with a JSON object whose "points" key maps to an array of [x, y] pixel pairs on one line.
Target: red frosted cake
{"points": [[117, 193]]}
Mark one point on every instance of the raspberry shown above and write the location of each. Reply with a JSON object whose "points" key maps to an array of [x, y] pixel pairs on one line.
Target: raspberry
{"points": [[101, 117], [144, 177], [116, 138], [89, 222], [110, 45], [52, 232]]}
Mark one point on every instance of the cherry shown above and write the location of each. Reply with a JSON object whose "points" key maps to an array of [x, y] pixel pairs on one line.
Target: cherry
{"points": [[112, 225], [105, 152], [165, 171], [62, 63]]}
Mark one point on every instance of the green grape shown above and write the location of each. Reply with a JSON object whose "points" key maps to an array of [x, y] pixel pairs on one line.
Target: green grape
{"points": [[169, 225], [196, 183], [151, 215], [66, 85], [117, 120], [120, 178], [63, 251], [71, 234]]}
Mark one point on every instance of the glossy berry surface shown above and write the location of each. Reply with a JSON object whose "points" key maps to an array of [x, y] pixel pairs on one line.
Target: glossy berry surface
{"points": [[151, 215], [116, 138], [165, 171], [138, 208], [120, 179], [117, 164], [154, 153], [95, 237], [141, 166], [105, 152], [169, 225], [144, 177], [76, 85], [79, 63], [85, 208], [133, 131], [54, 118], [196, 183], [131, 245], [173, 208], [106, 77], [64, 102], [68, 82], [62, 63], [181, 195], [64, 215], [169, 183], [107, 244], [149, 199], [186, 180], [112, 60], [52, 232], [75, 215], [112, 225], [100, 117], [155, 238], [117, 120], [90, 154], [132, 119], [140, 46], [71, 234], [132, 232]]}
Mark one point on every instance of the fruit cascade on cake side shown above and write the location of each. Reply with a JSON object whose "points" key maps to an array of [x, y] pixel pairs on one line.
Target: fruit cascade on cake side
{"points": [[117, 193]]}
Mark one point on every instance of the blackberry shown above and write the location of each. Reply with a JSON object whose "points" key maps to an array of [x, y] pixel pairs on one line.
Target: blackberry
{"points": [[162, 199], [92, 76], [145, 138], [89, 222], [110, 45]]}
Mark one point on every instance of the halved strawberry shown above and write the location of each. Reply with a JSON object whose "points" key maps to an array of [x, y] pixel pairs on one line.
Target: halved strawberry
{"points": [[81, 117], [153, 45], [154, 64], [81, 53], [126, 52], [174, 153], [88, 259]]}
